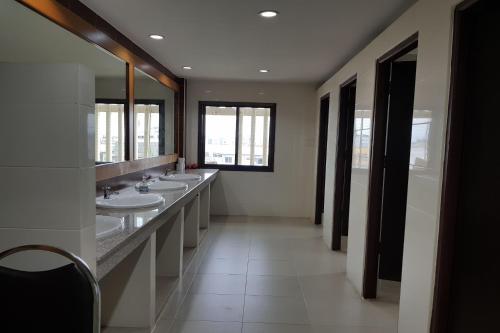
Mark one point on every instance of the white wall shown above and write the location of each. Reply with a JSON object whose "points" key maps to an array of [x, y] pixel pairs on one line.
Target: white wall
{"points": [[288, 191], [432, 19]]}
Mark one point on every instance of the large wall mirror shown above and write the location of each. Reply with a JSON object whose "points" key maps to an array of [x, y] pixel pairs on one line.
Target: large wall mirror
{"points": [[40, 41], [153, 117], [115, 135]]}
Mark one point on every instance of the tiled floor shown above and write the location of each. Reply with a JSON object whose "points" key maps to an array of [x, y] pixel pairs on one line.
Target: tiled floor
{"points": [[270, 275]]}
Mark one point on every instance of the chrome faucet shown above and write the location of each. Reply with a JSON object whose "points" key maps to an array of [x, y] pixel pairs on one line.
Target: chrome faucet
{"points": [[107, 192]]}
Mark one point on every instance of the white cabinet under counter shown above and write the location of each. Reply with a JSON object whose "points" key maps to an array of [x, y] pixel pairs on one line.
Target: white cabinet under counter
{"points": [[139, 267]]}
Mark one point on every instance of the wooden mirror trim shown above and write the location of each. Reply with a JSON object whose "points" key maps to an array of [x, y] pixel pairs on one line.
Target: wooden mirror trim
{"points": [[77, 18]]}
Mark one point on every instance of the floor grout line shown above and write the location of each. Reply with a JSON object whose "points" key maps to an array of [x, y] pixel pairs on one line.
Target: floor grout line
{"points": [[246, 284]]}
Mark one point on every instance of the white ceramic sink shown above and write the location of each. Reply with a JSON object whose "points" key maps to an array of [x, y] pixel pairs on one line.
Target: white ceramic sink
{"points": [[130, 201], [165, 186], [107, 225], [181, 177]]}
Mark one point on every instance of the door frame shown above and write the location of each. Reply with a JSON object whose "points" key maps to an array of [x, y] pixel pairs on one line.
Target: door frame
{"points": [[377, 152], [321, 167], [451, 176], [340, 159]]}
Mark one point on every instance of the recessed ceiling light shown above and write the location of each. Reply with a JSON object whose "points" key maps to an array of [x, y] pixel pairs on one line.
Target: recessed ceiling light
{"points": [[187, 67], [264, 70], [156, 37], [268, 13]]}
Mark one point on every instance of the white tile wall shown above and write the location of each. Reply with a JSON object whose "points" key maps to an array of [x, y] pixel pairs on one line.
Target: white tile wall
{"points": [[44, 83], [47, 149], [39, 135], [432, 19], [46, 198], [79, 242]]}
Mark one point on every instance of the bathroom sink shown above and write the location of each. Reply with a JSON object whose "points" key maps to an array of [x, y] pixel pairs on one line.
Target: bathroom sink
{"points": [[165, 186], [130, 201], [181, 177], [107, 225]]}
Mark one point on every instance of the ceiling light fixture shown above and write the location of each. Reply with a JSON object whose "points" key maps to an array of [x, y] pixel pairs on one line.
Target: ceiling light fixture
{"points": [[264, 70], [156, 37], [268, 13], [187, 68]]}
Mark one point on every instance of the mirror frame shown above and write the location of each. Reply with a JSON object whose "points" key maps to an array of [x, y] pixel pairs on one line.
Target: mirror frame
{"points": [[77, 18]]}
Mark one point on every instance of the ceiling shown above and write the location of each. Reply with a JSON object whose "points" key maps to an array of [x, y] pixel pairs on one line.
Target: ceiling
{"points": [[226, 39]]}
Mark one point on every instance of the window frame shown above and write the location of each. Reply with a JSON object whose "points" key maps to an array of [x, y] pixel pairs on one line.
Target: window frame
{"points": [[202, 106]]}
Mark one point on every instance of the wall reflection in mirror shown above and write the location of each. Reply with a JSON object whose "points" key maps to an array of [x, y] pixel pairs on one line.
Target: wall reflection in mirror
{"points": [[41, 42], [153, 117]]}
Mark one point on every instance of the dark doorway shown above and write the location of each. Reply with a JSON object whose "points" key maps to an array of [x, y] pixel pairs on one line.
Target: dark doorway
{"points": [[388, 179], [468, 271], [343, 163], [321, 166]]}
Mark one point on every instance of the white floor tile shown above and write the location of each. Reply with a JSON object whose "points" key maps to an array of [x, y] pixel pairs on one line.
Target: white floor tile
{"points": [[351, 329], [224, 266], [270, 267], [212, 307], [269, 252], [275, 328], [270, 309], [268, 285], [204, 327], [124, 330], [221, 284], [227, 252], [292, 281]]}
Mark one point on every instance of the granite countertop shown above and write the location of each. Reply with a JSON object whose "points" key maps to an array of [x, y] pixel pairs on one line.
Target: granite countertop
{"points": [[139, 224]]}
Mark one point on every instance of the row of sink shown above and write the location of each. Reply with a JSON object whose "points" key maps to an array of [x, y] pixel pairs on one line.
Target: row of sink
{"points": [[109, 225]]}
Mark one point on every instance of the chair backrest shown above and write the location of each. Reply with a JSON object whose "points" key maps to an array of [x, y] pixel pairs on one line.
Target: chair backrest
{"points": [[65, 299]]}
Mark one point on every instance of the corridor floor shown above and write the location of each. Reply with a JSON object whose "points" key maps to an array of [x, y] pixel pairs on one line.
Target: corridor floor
{"points": [[270, 275]]}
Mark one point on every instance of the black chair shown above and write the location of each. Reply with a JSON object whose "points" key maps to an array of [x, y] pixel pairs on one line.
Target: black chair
{"points": [[65, 299]]}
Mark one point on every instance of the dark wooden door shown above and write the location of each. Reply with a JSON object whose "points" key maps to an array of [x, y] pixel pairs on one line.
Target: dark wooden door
{"points": [[475, 285], [397, 157], [321, 165], [343, 164]]}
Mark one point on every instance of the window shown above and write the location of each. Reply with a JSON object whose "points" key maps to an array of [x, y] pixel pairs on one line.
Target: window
{"points": [[420, 139], [149, 126], [109, 131], [237, 136], [361, 139]]}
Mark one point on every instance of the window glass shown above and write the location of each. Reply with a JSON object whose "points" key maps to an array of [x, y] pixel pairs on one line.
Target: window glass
{"points": [[147, 130], [220, 131], [361, 140], [109, 132], [254, 136], [420, 139], [237, 136]]}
